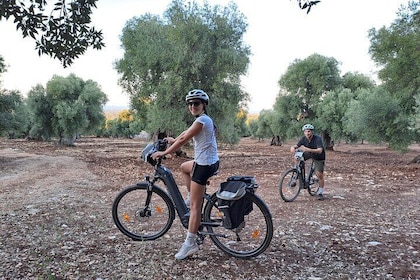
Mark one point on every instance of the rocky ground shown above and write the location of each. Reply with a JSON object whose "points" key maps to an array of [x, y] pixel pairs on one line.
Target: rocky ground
{"points": [[55, 206]]}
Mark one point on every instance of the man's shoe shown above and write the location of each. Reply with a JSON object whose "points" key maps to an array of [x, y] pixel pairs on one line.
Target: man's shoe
{"points": [[186, 250], [321, 196]]}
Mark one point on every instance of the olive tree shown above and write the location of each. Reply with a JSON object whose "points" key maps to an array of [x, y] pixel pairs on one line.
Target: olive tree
{"points": [[376, 117], [66, 108], [191, 46], [395, 49]]}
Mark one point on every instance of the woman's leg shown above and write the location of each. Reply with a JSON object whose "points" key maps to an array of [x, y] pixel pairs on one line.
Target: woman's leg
{"points": [[190, 246], [186, 169], [196, 201]]}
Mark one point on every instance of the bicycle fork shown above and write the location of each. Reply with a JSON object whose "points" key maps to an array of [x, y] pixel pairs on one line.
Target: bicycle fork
{"points": [[146, 211]]}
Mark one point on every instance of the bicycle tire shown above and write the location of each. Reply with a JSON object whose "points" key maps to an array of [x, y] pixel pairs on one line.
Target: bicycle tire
{"points": [[313, 184], [138, 223], [250, 239], [290, 185]]}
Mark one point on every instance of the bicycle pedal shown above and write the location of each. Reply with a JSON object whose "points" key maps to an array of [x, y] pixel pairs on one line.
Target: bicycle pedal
{"points": [[200, 238]]}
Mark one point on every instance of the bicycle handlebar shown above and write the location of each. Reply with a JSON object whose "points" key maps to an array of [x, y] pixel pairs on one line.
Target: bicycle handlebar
{"points": [[158, 146]]}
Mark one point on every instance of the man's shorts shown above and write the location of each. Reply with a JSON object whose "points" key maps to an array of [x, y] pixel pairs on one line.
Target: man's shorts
{"points": [[319, 164]]}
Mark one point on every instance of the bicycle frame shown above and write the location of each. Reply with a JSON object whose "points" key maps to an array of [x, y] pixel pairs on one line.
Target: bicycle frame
{"points": [[306, 178], [300, 166], [163, 173]]}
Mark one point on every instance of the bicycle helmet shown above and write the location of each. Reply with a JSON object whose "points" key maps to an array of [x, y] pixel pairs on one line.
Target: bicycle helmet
{"points": [[307, 126], [197, 94]]}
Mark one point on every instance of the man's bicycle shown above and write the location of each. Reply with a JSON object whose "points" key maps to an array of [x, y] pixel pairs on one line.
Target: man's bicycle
{"points": [[293, 180], [145, 211]]}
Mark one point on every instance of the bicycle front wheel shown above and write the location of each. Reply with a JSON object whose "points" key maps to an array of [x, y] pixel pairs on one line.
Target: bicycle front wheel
{"points": [[141, 216], [250, 238], [290, 185]]}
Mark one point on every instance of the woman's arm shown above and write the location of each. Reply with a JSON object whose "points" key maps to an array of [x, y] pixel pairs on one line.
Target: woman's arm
{"points": [[180, 141]]}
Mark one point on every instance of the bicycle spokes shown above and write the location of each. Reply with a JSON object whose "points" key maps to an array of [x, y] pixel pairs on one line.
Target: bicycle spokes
{"points": [[290, 185], [142, 215], [250, 238]]}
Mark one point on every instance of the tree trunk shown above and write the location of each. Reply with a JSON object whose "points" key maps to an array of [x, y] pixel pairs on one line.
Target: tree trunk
{"points": [[329, 143]]}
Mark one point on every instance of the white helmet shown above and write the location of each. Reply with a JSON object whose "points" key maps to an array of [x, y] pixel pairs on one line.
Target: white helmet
{"points": [[307, 126], [197, 94]]}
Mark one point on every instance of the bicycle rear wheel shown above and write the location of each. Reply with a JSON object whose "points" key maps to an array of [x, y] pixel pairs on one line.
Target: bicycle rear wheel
{"points": [[290, 185], [140, 220], [250, 239]]}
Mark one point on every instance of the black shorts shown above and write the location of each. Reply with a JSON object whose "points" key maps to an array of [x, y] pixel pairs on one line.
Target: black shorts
{"points": [[201, 173]]}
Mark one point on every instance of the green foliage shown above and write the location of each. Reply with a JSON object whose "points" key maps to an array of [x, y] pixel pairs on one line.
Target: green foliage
{"points": [[240, 124], [352, 107], [396, 49], [118, 128], [190, 47], [304, 84], [264, 120], [253, 128], [62, 33], [67, 108], [3, 67], [310, 78], [125, 125], [41, 115], [290, 115], [354, 81], [377, 117], [13, 115], [331, 112], [416, 119]]}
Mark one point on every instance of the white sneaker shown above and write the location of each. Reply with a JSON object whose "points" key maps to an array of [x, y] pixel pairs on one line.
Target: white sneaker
{"points": [[186, 250]]}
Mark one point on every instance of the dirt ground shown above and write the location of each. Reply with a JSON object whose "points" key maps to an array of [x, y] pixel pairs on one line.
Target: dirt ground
{"points": [[55, 206]]}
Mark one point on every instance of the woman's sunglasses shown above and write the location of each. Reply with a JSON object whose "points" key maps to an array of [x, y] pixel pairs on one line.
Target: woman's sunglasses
{"points": [[195, 103]]}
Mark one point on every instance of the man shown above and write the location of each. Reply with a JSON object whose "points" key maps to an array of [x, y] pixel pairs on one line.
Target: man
{"points": [[312, 147]]}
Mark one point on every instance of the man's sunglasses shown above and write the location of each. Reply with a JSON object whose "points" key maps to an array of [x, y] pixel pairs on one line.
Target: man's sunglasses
{"points": [[195, 103]]}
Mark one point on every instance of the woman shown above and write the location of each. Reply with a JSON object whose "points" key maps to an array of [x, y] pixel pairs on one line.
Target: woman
{"points": [[195, 172]]}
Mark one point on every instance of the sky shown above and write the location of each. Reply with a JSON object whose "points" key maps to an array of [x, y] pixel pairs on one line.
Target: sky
{"points": [[278, 33]]}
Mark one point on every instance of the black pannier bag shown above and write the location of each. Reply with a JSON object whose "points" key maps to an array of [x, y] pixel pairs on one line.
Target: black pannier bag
{"points": [[233, 201]]}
